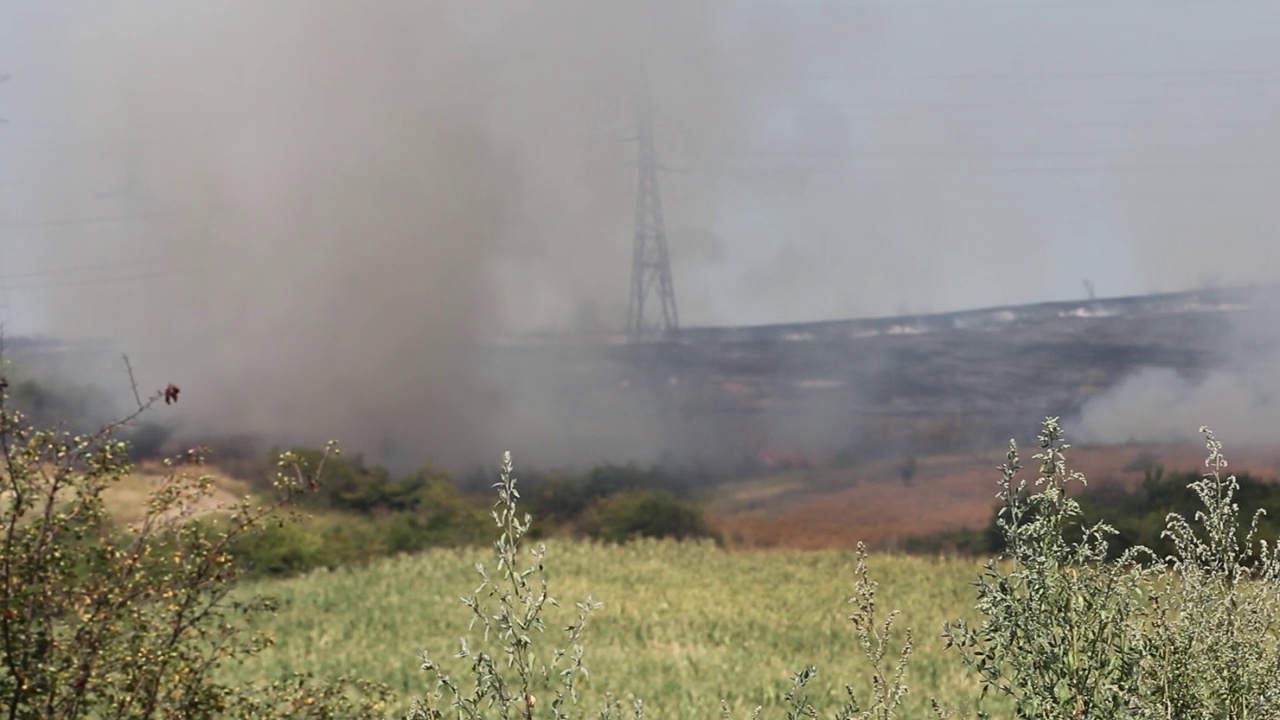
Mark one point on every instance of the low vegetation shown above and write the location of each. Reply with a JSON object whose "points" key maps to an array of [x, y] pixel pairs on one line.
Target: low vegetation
{"points": [[1071, 619], [104, 620], [1055, 629], [362, 512], [682, 626]]}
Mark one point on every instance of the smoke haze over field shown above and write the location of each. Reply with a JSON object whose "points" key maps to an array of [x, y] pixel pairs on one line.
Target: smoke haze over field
{"points": [[1239, 400], [355, 194], [330, 203]]}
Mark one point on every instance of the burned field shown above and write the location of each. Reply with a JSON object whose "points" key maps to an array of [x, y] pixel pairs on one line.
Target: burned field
{"points": [[858, 391]]}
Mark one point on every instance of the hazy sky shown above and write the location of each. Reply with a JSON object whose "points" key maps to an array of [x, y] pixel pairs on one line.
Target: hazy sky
{"points": [[920, 156], [310, 213]]}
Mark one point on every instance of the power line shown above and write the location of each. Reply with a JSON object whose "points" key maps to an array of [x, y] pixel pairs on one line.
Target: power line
{"points": [[83, 221], [68, 271], [1030, 102], [962, 154], [94, 282], [788, 5], [1272, 73], [1035, 124], [1085, 154], [986, 170]]}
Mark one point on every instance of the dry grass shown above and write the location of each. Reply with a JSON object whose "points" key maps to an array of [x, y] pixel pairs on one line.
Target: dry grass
{"points": [[126, 500], [823, 508]]}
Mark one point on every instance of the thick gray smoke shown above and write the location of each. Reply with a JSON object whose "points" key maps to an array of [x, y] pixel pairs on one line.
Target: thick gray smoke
{"points": [[1238, 397], [1158, 405], [349, 197]]}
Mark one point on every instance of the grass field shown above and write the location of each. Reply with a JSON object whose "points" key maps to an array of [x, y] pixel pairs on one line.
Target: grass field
{"points": [[683, 626]]}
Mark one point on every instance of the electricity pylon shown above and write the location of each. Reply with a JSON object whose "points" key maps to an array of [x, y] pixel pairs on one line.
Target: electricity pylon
{"points": [[652, 310]]}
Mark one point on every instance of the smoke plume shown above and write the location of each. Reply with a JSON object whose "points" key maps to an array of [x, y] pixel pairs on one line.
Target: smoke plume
{"points": [[341, 201], [333, 206], [1238, 396]]}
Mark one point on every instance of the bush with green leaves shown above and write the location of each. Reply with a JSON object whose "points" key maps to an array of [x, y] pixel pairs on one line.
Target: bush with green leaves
{"points": [[99, 621], [644, 513], [576, 502], [1070, 633], [1061, 636], [1139, 514], [362, 512]]}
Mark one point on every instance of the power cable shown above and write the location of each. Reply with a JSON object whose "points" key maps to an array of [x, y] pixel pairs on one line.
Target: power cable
{"points": [[984, 170], [788, 5], [1272, 73], [1029, 102], [68, 271], [83, 221], [95, 282]]}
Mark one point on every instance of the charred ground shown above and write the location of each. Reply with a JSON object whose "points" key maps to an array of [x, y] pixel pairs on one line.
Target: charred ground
{"points": [[868, 390]]}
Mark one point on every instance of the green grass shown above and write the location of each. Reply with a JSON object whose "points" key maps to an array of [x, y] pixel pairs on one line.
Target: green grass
{"points": [[1064, 632], [683, 625]]}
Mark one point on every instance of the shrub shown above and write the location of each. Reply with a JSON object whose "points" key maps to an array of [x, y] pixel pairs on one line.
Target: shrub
{"points": [[1139, 516], [1059, 636], [99, 621], [331, 540], [1070, 633], [1214, 645], [649, 513], [571, 502], [362, 513], [146, 440]]}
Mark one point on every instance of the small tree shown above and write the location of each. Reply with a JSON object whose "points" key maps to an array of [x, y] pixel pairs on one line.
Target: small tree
{"points": [[100, 621]]}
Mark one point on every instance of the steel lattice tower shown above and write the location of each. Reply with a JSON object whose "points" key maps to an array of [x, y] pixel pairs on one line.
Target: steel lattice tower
{"points": [[652, 310]]}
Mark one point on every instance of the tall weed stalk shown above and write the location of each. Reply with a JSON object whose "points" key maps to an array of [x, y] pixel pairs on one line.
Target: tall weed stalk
{"points": [[509, 606], [1213, 647], [1060, 636]]}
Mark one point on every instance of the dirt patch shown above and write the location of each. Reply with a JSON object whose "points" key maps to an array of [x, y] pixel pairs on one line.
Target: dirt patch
{"points": [[873, 504], [126, 500]]}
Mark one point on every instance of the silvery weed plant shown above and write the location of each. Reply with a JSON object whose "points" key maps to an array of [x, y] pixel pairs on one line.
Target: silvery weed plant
{"points": [[1212, 642], [1061, 634], [519, 676], [875, 635], [1068, 634]]}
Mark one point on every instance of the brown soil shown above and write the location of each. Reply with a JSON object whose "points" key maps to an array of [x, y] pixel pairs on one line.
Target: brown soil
{"points": [[126, 500], [837, 508]]}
